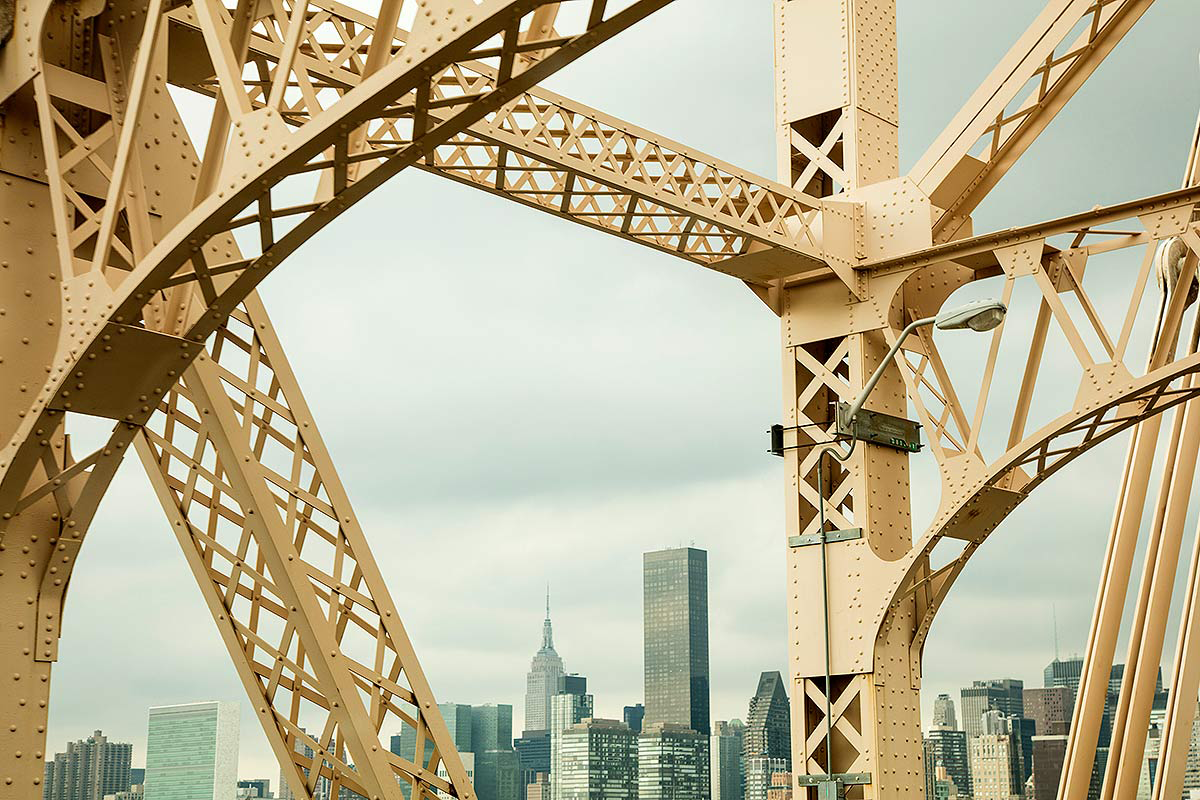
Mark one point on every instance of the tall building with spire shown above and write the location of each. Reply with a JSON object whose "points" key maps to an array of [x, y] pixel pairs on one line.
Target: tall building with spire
{"points": [[542, 682]]}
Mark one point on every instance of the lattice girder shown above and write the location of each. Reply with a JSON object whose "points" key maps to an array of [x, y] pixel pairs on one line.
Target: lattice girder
{"points": [[554, 154], [300, 603]]}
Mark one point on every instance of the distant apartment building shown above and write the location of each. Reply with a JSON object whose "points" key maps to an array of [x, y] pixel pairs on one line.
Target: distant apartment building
{"points": [[759, 770], [598, 759], [995, 761], [134, 792], [192, 752], [941, 787], [468, 760], [672, 763], [89, 769]]}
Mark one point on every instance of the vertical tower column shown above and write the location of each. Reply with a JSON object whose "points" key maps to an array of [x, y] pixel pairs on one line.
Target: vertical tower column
{"points": [[837, 133], [836, 100]]}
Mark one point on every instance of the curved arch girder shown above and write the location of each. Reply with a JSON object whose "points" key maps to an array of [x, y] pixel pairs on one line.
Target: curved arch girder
{"points": [[559, 156], [981, 504]]}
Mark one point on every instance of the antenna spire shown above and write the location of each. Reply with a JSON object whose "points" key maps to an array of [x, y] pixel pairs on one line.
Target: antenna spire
{"points": [[547, 631]]}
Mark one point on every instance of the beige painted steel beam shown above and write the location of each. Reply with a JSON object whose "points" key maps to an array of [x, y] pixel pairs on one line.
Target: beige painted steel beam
{"points": [[236, 460], [559, 156], [1027, 89]]}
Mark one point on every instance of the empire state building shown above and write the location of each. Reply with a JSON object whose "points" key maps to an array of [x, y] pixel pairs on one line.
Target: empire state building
{"points": [[542, 681]]}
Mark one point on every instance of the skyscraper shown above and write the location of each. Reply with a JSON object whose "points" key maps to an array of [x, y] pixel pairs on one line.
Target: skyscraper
{"points": [[768, 723], [491, 727], [1000, 694], [533, 753], [768, 736], [192, 752], [672, 763], [90, 769], [943, 713], [675, 639], [569, 707], [542, 682], [1063, 673], [947, 748], [599, 761], [727, 761]]}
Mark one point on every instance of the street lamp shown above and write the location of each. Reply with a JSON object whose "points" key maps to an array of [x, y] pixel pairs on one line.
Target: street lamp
{"points": [[978, 315]]}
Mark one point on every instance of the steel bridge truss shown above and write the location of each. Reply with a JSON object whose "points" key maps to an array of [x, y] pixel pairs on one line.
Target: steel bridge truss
{"points": [[130, 257]]}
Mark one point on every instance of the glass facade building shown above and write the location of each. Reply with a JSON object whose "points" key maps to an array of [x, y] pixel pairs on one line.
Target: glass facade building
{"points": [[727, 769], [567, 708], [947, 748], [484, 733], [1063, 673], [675, 639], [1005, 695], [533, 752], [192, 752], [672, 763], [599, 761]]}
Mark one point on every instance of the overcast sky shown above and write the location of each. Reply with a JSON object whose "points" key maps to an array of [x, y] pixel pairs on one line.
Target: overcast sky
{"points": [[513, 400]]}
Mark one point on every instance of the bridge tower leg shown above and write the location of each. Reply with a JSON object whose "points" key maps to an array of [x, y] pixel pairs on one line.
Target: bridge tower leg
{"points": [[42, 531], [837, 135]]}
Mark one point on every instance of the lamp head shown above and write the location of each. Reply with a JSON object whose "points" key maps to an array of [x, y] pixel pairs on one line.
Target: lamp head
{"points": [[978, 315]]}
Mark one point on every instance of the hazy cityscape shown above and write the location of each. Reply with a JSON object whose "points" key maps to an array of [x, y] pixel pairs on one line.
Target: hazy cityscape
{"points": [[995, 739]]}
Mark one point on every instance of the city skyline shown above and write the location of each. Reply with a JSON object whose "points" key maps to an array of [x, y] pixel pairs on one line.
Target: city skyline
{"points": [[605, 712]]}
